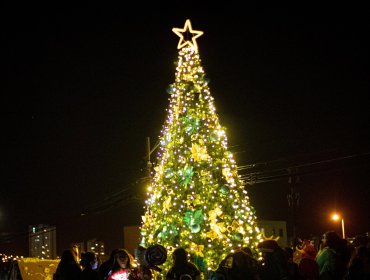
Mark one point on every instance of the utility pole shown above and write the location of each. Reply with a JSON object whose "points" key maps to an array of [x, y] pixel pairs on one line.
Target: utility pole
{"points": [[147, 170], [149, 164], [293, 200]]}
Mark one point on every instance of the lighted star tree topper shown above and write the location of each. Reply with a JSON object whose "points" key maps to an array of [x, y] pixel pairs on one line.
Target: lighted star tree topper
{"points": [[196, 200]]}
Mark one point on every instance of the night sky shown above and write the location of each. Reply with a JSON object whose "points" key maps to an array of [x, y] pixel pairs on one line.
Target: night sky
{"points": [[83, 89]]}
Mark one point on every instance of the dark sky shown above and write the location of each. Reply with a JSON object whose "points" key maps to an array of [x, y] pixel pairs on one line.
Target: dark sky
{"points": [[84, 88]]}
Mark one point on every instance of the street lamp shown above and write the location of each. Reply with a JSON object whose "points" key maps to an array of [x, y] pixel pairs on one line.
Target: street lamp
{"points": [[336, 217]]}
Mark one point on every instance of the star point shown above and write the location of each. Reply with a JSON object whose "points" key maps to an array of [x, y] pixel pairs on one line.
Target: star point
{"points": [[185, 41]]}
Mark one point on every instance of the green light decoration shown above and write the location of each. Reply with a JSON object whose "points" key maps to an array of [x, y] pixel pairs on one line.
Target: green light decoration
{"points": [[200, 263], [237, 236], [191, 124], [194, 220], [196, 199], [224, 190], [166, 231], [169, 173], [185, 175], [213, 136], [170, 89]]}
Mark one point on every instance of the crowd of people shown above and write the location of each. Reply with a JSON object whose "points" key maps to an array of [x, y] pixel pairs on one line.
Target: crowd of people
{"points": [[332, 258]]}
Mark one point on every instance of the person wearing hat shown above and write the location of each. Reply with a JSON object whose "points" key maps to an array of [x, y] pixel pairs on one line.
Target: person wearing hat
{"points": [[274, 263]]}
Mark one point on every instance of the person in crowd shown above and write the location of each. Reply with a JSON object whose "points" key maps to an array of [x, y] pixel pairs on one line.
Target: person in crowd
{"points": [[76, 253], [240, 265], [297, 245], [292, 266], [361, 240], [89, 264], [308, 268], [182, 268], [106, 266], [274, 263], [359, 265], [147, 269], [326, 256], [14, 271], [68, 268], [332, 256], [4, 270], [343, 257], [122, 267], [145, 272]]}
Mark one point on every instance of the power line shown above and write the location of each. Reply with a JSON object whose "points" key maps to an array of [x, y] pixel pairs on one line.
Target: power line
{"points": [[128, 194], [266, 175]]}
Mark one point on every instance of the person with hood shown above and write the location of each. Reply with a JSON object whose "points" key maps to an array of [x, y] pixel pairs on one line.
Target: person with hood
{"points": [[182, 268]]}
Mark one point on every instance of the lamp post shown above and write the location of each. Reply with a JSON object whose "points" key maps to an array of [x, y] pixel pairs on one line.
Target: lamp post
{"points": [[336, 217]]}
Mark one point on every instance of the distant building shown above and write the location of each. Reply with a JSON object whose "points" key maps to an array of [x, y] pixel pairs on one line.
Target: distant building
{"points": [[274, 229], [42, 241], [95, 246]]}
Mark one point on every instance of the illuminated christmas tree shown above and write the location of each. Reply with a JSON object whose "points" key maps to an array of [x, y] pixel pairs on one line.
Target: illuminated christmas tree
{"points": [[196, 200]]}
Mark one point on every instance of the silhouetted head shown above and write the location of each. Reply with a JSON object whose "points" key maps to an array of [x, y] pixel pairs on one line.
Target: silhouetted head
{"points": [[112, 254], [331, 239], [88, 259], [67, 259], [179, 256], [247, 250]]}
